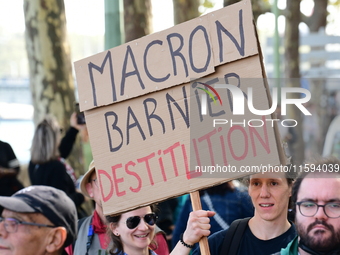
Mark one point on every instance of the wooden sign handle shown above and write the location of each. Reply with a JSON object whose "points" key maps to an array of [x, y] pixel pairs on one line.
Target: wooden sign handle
{"points": [[196, 205]]}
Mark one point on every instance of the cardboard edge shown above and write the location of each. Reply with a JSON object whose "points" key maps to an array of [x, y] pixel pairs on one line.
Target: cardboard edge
{"points": [[282, 156], [176, 195], [78, 62]]}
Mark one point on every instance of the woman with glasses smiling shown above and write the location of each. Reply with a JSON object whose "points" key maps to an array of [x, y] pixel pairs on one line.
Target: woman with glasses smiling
{"points": [[132, 232]]}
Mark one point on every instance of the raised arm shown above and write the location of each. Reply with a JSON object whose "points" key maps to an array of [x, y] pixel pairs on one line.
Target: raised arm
{"points": [[198, 225], [67, 142]]}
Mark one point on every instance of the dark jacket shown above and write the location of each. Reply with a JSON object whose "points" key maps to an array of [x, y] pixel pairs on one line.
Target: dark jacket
{"points": [[53, 173], [230, 206], [9, 184], [291, 249]]}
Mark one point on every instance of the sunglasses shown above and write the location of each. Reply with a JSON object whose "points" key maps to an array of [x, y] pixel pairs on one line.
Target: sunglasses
{"points": [[133, 222]]}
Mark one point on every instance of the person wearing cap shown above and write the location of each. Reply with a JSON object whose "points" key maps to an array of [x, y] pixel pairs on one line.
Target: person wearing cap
{"points": [[37, 220], [92, 237]]}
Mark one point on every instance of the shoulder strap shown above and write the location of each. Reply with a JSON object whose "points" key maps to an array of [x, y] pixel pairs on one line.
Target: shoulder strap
{"points": [[233, 237], [80, 222], [90, 235]]}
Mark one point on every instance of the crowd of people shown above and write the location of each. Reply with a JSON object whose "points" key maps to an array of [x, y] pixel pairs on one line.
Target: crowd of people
{"points": [[265, 214]]}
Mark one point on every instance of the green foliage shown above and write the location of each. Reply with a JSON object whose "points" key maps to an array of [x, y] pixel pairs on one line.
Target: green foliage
{"points": [[334, 2], [208, 4]]}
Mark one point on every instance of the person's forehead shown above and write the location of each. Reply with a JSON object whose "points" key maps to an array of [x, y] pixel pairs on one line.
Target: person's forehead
{"points": [[20, 216], [320, 187], [138, 212], [277, 175], [29, 217]]}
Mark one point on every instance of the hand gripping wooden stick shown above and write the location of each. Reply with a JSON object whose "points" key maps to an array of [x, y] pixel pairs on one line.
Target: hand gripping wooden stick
{"points": [[196, 205]]}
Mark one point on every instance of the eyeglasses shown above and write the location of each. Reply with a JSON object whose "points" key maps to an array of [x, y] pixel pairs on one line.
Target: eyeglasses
{"points": [[11, 224], [309, 209], [133, 222]]}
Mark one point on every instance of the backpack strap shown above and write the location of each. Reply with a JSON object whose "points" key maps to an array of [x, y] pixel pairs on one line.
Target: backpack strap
{"points": [[90, 235], [80, 222], [233, 236]]}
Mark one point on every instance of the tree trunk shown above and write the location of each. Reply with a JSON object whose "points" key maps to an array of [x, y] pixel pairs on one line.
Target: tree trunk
{"points": [[185, 10], [292, 70], [292, 39], [258, 6], [50, 71], [316, 21], [319, 16], [137, 19], [229, 2]]}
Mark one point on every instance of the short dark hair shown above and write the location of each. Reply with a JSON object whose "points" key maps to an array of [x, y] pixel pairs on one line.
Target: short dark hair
{"points": [[317, 163]]}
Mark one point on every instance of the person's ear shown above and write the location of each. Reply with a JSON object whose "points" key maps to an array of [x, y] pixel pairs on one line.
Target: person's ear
{"points": [[89, 189], [113, 228], [56, 239]]}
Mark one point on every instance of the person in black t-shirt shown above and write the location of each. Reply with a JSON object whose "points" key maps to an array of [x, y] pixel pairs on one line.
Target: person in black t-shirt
{"points": [[9, 169], [269, 229]]}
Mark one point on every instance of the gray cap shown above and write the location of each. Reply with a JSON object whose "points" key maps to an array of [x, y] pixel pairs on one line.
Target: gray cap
{"points": [[53, 203]]}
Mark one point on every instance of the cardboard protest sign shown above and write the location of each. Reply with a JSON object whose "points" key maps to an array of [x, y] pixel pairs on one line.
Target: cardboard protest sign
{"points": [[149, 137], [168, 58]]}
